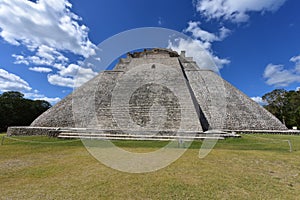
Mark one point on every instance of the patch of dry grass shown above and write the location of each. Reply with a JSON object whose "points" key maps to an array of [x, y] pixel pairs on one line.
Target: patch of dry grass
{"points": [[247, 168]]}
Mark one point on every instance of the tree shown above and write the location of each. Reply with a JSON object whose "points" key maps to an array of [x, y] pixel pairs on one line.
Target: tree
{"points": [[293, 108], [284, 105], [12, 95], [18, 111], [276, 103]]}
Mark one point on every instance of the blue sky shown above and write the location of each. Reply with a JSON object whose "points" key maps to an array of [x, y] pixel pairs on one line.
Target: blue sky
{"points": [[255, 43]]}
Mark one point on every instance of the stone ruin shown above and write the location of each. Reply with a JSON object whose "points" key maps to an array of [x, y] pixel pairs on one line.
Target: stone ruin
{"points": [[155, 90]]}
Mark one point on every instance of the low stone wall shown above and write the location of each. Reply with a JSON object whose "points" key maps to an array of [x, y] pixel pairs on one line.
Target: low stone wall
{"points": [[278, 132], [27, 131]]}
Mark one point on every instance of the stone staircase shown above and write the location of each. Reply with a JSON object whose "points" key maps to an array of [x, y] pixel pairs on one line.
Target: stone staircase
{"points": [[85, 133]]}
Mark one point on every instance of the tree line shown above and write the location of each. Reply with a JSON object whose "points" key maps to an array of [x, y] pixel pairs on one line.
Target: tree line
{"points": [[15, 110], [285, 105]]}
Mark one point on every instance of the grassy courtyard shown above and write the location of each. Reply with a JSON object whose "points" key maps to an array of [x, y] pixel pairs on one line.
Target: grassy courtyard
{"points": [[252, 167]]}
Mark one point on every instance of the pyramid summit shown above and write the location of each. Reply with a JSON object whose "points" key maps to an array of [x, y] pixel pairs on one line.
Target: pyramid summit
{"points": [[158, 90]]}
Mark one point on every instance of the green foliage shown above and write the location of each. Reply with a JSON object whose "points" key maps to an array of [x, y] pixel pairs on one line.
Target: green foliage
{"points": [[18, 111], [285, 105], [12, 95]]}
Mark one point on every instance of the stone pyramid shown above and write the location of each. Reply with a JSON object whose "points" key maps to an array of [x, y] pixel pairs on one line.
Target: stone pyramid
{"points": [[158, 90]]}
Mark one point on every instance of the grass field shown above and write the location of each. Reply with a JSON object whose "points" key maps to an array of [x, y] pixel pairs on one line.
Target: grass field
{"points": [[252, 167]]}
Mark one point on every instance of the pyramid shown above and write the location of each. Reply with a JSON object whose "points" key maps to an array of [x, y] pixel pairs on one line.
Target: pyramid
{"points": [[158, 90]]}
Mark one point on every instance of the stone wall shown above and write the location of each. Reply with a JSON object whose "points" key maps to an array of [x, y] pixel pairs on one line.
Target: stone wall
{"points": [[28, 131]]}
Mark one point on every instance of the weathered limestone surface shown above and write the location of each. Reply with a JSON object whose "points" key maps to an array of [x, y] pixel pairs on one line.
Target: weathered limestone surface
{"points": [[158, 87], [244, 113], [27, 131], [161, 91], [227, 108], [145, 92], [58, 116]]}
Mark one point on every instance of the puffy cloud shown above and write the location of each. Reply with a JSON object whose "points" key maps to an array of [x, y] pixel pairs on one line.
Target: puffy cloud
{"points": [[36, 96], [73, 70], [201, 55], [71, 76], [235, 10], [56, 79], [12, 82], [49, 30], [9, 81], [277, 75], [224, 32], [258, 100], [296, 60], [199, 33], [43, 56], [199, 46], [40, 69], [20, 59], [49, 99], [46, 23]]}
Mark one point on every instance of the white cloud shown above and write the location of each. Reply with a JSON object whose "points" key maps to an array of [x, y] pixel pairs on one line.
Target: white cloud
{"points": [[12, 82], [224, 33], [56, 79], [200, 46], [258, 100], [35, 60], [71, 76], [40, 69], [49, 30], [36, 96], [20, 59], [59, 66], [277, 75], [296, 60], [50, 100], [235, 10], [199, 33], [44, 55], [33, 95], [160, 21], [73, 70], [9, 81], [46, 23], [201, 55]]}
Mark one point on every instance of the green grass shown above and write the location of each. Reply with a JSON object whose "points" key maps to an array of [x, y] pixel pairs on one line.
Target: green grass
{"points": [[252, 167]]}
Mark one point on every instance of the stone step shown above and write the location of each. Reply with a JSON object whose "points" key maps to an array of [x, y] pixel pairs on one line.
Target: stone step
{"points": [[126, 132], [135, 137]]}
